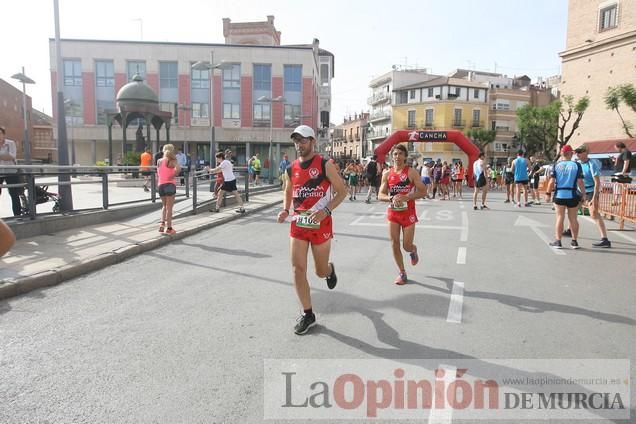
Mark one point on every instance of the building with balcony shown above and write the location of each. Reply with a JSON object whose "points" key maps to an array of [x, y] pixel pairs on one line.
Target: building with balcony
{"points": [[600, 53], [349, 139], [381, 99], [294, 80], [442, 103]]}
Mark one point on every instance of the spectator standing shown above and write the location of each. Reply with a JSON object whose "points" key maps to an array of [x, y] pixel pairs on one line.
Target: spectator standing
{"points": [[167, 170], [481, 181], [566, 178], [145, 161], [520, 171]]}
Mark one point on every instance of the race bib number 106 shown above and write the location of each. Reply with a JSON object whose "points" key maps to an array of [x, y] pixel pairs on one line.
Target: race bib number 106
{"points": [[304, 221]]}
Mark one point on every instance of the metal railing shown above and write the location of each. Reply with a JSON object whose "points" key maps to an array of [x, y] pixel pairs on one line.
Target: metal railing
{"points": [[34, 181]]}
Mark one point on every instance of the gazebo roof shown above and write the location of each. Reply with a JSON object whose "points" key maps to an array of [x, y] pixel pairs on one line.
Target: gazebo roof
{"points": [[136, 92]]}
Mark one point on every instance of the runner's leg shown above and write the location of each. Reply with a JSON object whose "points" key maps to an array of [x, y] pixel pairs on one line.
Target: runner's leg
{"points": [[320, 252], [394, 234], [408, 235], [560, 217], [298, 250], [574, 222]]}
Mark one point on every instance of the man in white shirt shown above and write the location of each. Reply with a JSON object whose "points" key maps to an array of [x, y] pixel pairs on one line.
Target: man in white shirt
{"points": [[229, 182], [8, 157], [481, 182], [182, 160]]}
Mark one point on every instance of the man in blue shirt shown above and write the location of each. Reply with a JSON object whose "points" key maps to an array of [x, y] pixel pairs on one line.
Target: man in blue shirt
{"points": [[566, 178], [592, 180], [520, 171]]}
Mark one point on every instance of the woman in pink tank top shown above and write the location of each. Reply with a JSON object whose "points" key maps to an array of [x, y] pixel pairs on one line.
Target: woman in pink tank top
{"points": [[167, 170]]}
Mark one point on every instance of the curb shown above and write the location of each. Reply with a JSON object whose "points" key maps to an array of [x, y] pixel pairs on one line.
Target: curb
{"points": [[17, 286]]}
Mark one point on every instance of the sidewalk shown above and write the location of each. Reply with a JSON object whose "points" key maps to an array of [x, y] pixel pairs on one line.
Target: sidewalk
{"points": [[51, 259]]}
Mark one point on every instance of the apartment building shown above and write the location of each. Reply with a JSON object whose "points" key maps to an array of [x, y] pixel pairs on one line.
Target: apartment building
{"points": [[349, 139], [600, 53], [256, 88]]}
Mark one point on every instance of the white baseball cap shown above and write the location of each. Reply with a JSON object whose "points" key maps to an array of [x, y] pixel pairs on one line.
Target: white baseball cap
{"points": [[305, 131]]}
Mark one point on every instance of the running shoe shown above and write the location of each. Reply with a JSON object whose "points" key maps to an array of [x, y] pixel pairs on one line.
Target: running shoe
{"points": [[170, 231], [506, 201], [538, 203], [567, 233], [240, 210], [305, 322], [556, 244], [475, 207], [367, 201], [574, 244], [401, 279], [214, 209], [332, 279], [161, 228], [528, 204], [484, 207], [603, 243], [414, 257]]}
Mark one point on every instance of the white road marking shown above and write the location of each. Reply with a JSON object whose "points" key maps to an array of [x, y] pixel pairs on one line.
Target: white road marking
{"points": [[371, 209], [443, 416], [461, 256], [617, 232], [464, 227], [522, 221], [456, 303]]}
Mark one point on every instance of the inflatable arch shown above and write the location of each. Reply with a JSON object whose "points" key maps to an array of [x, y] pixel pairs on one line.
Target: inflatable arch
{"points": [[453, 136]]}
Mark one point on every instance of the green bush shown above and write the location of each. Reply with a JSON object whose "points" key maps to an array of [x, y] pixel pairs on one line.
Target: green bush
{"points": [[132, 158], [101, 163]]}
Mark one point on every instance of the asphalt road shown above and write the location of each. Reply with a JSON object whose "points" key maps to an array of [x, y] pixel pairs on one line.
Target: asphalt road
{"points": [[180, 334]]}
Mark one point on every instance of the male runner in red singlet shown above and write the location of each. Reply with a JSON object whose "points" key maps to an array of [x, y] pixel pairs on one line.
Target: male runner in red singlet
{"points": [[398, 184], [316, 189]]}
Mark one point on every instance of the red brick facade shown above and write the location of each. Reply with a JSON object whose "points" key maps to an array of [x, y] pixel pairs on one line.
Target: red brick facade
{"points": [[11, 116], [277, 107], [184, 99], [153, 81], [120, 81], [246, 102]]}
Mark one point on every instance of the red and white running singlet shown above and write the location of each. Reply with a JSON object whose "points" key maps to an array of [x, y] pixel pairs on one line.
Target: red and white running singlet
{"points": [[399, 183], [311, 191]]}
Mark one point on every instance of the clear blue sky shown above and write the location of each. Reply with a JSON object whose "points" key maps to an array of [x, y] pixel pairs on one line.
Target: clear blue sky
{"points": [[366, 37]]}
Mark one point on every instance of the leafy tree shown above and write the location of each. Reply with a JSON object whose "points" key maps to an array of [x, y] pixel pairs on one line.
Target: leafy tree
{"points": [[481, 137], [626, 94], [551, 126], [569, 110], [538, 128]]}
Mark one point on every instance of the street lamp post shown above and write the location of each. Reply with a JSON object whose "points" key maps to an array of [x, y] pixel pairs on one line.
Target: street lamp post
{"points": [[27, 142], [210, 66], [69, 103], [271, 101]]}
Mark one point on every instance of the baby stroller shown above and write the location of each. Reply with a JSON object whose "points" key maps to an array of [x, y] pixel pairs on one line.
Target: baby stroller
{"points": [[42, 195]]}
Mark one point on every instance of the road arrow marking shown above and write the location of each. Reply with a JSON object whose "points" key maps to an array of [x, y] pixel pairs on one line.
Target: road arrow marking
{"points": [[522, 221]]}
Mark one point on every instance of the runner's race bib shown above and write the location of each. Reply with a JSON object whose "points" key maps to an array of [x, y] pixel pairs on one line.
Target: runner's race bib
{"points": [[303, 220], [399, 206]]}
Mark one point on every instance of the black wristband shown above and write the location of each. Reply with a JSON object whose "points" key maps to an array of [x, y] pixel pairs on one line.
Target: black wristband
{"points": [[326, 209]]}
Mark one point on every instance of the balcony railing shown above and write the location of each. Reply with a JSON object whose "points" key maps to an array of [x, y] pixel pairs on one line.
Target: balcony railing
{"points": [[459, 123], [428, 124], [377, 116], [477, 124], [378, 98], [411, 126]]}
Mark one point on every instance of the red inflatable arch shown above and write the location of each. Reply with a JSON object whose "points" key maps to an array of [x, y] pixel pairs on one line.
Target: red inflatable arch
{"points": [[453, 136]]}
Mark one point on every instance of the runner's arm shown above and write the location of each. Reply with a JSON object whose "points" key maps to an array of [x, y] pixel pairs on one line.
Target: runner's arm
{"points": [[7, 238], [339, 189], [287, 198], [383, 196]]}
